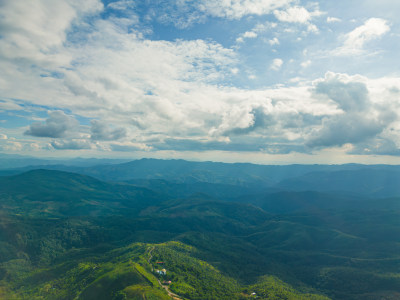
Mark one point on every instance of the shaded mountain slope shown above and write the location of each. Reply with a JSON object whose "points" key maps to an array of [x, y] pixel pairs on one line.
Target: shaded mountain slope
{"points": [[58, 193], [371, 182]]}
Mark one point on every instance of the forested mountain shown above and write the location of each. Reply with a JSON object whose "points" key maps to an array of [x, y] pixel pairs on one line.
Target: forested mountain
{"points": [[221, 231], [19, 161], [62, 194], [374, 180]]}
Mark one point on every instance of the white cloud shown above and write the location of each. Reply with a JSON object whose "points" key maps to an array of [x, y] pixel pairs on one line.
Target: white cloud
{"points": [[300, 15], [159, 93], [184, 14], [74, 144], [12, 146], [246, 35], [276, 64], [113, 81], [57, 125], [3, 136], [250, 35], [252, 77], [274, 41], [312, 28], [36, 32], [294, 14], [256, 31], [236, 9], [9, 105], [364, 118], [122, 5], [355, 40], [128, 147], [101, 132], [305, 64], [332, 20]]}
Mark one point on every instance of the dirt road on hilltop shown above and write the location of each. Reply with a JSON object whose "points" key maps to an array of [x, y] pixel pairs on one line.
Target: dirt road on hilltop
{"points": [[165, 287]]}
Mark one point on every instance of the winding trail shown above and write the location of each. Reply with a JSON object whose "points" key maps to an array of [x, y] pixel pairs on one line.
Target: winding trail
{"points": [[165, 287], [151, 256]]}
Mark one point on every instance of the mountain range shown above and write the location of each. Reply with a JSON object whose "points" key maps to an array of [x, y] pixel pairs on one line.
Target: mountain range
{"points": [[223, 231]]}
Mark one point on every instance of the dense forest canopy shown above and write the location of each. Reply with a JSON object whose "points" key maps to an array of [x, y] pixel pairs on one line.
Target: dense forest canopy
{"points": [[221, 231]]}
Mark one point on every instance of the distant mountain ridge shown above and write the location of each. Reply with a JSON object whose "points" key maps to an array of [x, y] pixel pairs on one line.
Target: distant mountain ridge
{"points": [[11, 161], [366, 181], [375, 180]]}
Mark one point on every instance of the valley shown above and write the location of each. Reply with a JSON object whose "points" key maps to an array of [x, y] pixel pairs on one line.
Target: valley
{"points": [[69, 235]]}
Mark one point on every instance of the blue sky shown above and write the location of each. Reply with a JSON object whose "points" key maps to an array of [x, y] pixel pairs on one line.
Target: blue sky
{"points": [[282, 81]]}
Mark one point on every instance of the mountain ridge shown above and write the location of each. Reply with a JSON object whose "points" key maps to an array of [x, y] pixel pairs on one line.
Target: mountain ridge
{"points": [[341, 245]]}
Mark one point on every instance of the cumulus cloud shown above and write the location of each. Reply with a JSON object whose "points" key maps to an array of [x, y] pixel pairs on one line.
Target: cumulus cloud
{"points": [[306, 63], [276, 64], [184, 14], [238, 120], [274, 41], [73, 144], [3, 136], [236, 9], [377, 146], [360, 121], [265, 119], [101, 132], [247, 35], [13, 146], [116, 74], [349, 95], [176, 95], [355, 40], [198, 60], [349, 128], [250, 34], [246, 122], [293, 15], [56, 126], [254, 33], [36, 31], [129, 146], [298, 14], [332, 20]]}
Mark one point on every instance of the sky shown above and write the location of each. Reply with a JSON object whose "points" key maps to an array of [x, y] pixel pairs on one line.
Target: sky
{"points": [[263, 81]]}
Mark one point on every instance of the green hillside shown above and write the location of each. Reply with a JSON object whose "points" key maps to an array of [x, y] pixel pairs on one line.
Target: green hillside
{"points": [[60, 194], [55, 245], [130, 273]]}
